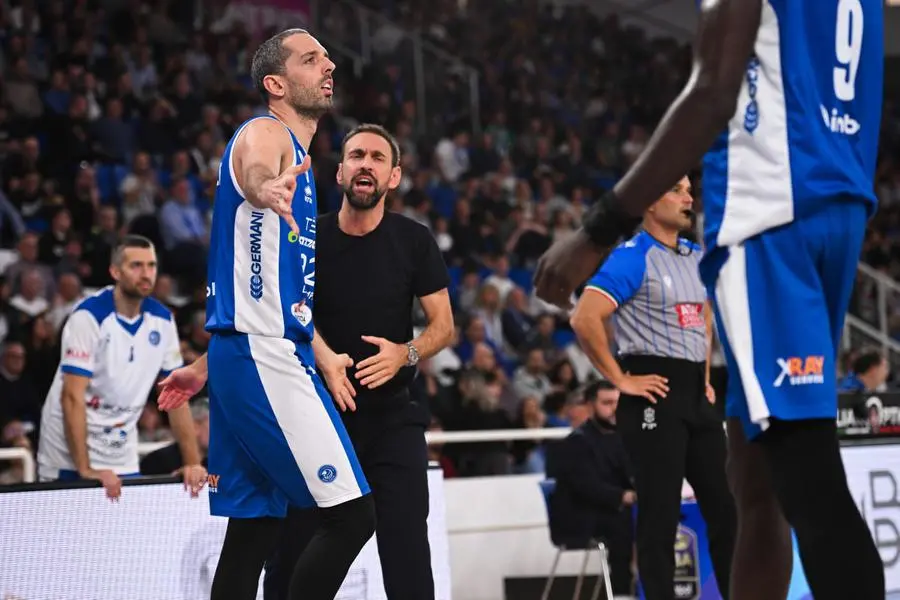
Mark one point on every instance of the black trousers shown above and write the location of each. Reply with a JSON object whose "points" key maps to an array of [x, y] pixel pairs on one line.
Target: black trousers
{"points": [[681, 436], [392, 450]]}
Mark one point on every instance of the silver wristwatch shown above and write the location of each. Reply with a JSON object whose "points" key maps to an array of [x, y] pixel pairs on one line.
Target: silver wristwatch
{"points": [[412, 356]]}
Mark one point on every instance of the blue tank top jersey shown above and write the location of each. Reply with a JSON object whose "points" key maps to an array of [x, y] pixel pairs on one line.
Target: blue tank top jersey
{"points": [[805, 133], [261, 276]]}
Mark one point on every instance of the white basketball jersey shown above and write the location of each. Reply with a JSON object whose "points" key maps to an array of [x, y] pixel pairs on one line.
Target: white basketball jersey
{"points": [[123, 359]]}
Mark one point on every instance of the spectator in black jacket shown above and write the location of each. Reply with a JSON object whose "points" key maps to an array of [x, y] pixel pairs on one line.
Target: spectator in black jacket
{"points": [[594, 487]]}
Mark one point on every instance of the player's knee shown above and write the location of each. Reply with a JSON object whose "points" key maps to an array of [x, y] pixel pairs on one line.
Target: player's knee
{"points": [[747, 469], [354, 520]]}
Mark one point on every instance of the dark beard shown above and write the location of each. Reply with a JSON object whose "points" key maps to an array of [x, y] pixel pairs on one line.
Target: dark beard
{"points": [[363, 201], [308, 105], [312, 113]]}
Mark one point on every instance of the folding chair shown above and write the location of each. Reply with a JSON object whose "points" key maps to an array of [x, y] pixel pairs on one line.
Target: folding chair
{"points": [[548, 486]]}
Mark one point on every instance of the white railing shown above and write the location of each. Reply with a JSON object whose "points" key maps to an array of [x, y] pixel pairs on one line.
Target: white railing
{"points": [[21, 454], [432, 437], [446, 437], [871, 323]]}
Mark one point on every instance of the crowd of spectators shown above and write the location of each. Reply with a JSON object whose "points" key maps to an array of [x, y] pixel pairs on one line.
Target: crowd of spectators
{"points": [[113, 116]]}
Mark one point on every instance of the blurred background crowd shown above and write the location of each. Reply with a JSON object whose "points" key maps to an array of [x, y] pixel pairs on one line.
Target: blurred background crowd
{"points": [[114, 115]]}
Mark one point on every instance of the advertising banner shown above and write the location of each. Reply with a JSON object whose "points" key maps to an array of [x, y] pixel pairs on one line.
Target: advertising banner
{"points": [[869, 416], [873, 473], [156, 543]]}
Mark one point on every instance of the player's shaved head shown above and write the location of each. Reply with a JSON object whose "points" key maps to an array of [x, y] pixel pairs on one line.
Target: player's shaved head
{"points": [[270, 59]]}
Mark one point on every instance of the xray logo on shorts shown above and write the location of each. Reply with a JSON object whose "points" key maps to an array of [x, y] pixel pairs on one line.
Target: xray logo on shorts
{"points": [[213, 482], [801, 371], [327, 473]]}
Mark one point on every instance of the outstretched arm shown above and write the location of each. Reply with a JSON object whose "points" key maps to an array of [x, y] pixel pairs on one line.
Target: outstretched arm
{"points": [[726, 34]]}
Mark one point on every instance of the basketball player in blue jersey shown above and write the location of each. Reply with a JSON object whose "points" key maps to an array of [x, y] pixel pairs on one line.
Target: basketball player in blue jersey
{"points": [[275, 435], [785, 100]]}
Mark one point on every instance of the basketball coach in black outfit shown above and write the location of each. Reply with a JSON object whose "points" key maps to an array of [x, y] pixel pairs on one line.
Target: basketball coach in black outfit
{"points": [[370, 265]]}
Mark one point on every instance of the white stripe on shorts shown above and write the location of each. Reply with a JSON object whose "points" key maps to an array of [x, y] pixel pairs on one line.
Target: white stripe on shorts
{"points": [[733, 302], [307, 426]]}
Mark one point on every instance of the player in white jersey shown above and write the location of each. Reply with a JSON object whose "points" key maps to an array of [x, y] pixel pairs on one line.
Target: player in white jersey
{"points": [[275, 435], [785, 100], [115, 344]]}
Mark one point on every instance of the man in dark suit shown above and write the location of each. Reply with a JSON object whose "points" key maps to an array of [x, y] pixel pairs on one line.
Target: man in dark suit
{"points": [[594, 486]]}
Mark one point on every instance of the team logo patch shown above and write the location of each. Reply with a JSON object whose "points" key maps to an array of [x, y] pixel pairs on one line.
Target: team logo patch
{"points": [[649, 418], [256, 280], [690, 315], [327, 473], [154, 338], [302, 313]]}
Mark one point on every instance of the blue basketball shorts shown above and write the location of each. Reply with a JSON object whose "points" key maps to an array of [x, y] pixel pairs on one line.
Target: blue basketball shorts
{"points": [[275, 436], [780, 299]]}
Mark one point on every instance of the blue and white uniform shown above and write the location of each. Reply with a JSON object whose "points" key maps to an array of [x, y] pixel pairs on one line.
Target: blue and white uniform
{"points": [[123, 359], [787, 191], [275, 435]]}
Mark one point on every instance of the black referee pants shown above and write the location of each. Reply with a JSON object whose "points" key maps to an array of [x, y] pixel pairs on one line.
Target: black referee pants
{"points": [[681, 436], [394, 456]]}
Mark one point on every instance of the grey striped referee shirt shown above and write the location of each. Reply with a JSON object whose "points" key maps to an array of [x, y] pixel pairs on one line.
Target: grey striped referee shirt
{"points": [[659, 297]]}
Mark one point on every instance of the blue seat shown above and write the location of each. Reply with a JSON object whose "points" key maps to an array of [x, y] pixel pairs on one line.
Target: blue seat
{"points": [[548, 487], [522, 278], [563, 338]]}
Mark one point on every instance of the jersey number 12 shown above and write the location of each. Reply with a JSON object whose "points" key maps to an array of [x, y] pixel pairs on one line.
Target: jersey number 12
{"points": [[848, 40]]}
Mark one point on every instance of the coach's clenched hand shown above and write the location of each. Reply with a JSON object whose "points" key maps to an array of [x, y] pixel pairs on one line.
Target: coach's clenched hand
{"points": [[379, 369], [335, 374]]}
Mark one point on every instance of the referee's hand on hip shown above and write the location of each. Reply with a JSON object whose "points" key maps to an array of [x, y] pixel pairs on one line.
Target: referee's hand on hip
{"points": [[644, 385]]}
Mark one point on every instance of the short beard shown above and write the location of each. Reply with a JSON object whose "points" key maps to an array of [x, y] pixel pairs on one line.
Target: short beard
{"points": [[307, 105], [363, 201]]}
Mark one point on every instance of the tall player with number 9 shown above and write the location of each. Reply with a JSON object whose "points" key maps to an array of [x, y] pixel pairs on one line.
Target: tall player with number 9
{"points": [[785, 101]]}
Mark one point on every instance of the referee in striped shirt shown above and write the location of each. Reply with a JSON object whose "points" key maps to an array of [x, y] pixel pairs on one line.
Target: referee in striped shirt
{"points": [[666, 416]]}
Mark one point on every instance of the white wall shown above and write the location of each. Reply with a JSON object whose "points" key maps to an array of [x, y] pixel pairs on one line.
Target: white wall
{"points": [[497, 526]]}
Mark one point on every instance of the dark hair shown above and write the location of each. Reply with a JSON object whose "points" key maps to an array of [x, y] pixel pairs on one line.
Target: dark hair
{"points": [[554, 402], [590, 392], [379, 131], [129, 241], [269, 59], [867, 360]]}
